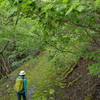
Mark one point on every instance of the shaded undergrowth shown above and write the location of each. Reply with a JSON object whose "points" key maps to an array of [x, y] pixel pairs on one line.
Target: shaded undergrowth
{"points": [[54, 79], [42, 73]]}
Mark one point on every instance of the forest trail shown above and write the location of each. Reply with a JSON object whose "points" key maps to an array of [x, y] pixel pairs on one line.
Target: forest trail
{"points": [[30, 92], [79, 90], [6, 90]]}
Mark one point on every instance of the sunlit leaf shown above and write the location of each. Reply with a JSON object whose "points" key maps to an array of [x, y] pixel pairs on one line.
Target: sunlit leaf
{"points": [[13, 10], [70, 9], [80, 8], [51, 91]]}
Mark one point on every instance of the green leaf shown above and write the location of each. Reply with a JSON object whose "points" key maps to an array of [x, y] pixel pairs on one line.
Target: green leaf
{"points": [[62, 7], [24, 5], [51, 91], [48, 7], [65, 1], [44, 98], [75, 4], [13, 10], [80, 8], [3, 3], [97, 3], [74, 15], [70, 9], [51, 98], [17, 1]]}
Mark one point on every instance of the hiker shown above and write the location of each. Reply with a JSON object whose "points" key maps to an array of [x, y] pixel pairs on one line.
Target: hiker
{"points": [[21, 85]]}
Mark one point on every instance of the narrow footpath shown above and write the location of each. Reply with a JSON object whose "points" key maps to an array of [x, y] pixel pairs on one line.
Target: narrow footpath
{"points": [[30, 92]]}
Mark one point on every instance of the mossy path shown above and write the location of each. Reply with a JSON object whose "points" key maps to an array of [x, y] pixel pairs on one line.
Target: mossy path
{"points": [[30, 92], [79, 83], [34, 70]]}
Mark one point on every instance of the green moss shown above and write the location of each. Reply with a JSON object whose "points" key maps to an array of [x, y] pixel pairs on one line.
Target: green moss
{"points": [[69, 70], [71, 83], [40, 73], [89, 97]]}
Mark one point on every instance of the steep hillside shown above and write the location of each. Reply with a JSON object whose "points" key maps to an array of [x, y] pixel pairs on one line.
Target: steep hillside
{"points": [[38, 72], [47, 82], [80, 85]]}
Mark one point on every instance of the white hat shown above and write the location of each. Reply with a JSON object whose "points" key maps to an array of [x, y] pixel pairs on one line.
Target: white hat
{"points": [[22, 72]]}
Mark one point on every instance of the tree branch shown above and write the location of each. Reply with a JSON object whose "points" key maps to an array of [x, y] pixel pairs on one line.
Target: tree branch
{"points": [[79, 25], [60, 49], [92, 38], [4, 47]]}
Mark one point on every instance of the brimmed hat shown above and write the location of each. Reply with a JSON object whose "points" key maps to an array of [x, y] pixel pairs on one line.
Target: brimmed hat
{"points": [[22, 72]]}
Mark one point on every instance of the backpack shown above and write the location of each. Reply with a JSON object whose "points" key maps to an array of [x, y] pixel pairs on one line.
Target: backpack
{"points": [[19, 86]]}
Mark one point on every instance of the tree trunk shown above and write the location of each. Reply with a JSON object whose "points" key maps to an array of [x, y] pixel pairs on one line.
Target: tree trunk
{"points": [[5, 65]]}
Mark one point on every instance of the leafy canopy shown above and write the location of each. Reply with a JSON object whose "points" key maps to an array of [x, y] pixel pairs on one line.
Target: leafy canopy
{"points": [[60, 23]]}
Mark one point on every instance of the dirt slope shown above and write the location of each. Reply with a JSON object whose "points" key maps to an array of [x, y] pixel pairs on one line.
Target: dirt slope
{"points": [[82, 88]]}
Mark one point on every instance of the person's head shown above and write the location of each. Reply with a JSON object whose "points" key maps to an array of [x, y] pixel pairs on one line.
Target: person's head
{"points": [[22, 73]]}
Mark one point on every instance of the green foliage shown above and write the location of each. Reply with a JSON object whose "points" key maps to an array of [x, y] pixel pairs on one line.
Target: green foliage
{"points": [[51, 91], [94, 69], [63, 26], [46, 78]]}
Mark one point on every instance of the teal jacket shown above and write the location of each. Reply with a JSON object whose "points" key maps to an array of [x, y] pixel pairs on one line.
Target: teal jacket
{"points": [[24, 83]]}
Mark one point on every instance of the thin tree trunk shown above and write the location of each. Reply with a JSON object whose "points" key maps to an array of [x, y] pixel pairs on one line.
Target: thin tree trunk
{"points": [[9, 65], [5, 65], [1, 75]]}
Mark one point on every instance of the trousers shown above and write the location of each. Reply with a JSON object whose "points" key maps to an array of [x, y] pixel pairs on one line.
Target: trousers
{"points": [[19, 95]]}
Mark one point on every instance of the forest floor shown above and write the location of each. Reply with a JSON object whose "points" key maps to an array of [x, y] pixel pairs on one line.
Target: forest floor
{"points": [[83, 86], [79, 85], [7, 91]]}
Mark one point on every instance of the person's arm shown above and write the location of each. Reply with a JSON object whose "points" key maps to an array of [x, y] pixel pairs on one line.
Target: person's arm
{"points": [[25, 85]]}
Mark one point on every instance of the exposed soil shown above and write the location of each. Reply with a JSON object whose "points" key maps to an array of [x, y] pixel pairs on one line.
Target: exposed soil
{"points": [[85, 86]]}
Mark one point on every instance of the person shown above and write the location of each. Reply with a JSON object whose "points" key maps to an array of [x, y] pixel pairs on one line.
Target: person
{"points": [[22, 93]]}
